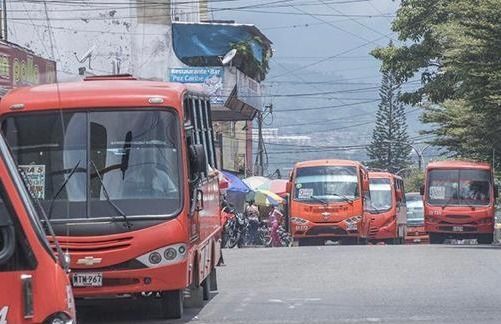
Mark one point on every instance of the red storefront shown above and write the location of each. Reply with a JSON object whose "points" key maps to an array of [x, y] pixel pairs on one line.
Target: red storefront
{"points": [[20, 67]]}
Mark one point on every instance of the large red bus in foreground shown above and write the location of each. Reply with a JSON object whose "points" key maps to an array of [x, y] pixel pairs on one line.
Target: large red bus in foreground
{"points": [[385, 217], [459, 201], [34, 285], [125, 170], [326, 200]]}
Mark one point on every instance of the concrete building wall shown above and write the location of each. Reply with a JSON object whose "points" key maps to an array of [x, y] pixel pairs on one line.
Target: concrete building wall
{"points": [[132, 37]]}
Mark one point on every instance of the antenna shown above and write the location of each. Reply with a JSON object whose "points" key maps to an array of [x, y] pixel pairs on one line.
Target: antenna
{"points": [[86, 56], [228, 57]]}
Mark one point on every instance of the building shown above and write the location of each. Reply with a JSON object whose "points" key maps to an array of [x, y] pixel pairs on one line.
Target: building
{"points": [[168, 40], [20, 67]]}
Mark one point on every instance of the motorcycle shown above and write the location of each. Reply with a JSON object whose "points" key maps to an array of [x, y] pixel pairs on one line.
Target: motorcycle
{"points": [[237, 228]]}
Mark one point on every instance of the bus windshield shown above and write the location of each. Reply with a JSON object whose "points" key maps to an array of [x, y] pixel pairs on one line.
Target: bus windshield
{"points": [[381, 197], [459, 187], [326, 183], [73, 160]]}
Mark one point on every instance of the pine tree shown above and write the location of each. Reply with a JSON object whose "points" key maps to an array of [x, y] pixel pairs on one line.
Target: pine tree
{"points": [[390, 147]]}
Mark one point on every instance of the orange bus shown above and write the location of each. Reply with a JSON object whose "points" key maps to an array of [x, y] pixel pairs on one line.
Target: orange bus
{"points": [[326, 200], [385, 217], [29, 270], [126, 172], [459, 201]]}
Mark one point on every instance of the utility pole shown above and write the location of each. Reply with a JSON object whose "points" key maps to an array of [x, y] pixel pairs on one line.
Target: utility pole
{"points": [[259, 161], [4, 20]]}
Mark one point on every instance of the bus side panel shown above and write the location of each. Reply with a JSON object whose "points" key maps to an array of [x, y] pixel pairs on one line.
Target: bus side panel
{"points": [[11, 306], [210, 228]]}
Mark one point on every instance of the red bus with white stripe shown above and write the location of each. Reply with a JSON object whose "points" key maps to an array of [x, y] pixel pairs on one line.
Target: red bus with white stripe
{"points": [[126, 171]]}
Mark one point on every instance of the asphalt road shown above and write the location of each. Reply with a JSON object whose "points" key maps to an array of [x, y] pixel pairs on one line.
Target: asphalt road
{"points": [[342, 284]]}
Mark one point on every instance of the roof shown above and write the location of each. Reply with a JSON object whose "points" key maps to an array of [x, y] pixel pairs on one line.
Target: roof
{"points": [[98, 92], [455, 164], [380, 174], [250, 27], [327, 162]]}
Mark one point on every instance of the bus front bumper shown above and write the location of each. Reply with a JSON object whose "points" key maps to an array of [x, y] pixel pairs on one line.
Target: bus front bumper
{"points": [[122, 282]]}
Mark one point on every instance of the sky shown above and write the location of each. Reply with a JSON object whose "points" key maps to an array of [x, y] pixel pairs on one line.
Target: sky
{"points": [[319, 46]]}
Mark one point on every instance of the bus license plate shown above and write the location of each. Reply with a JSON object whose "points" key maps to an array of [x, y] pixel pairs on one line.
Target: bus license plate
{"points": [[88, 279], [457, 228]]}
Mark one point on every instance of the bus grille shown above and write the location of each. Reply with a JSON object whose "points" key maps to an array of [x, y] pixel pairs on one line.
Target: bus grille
{"points": [[99, 245], [326, 230]]}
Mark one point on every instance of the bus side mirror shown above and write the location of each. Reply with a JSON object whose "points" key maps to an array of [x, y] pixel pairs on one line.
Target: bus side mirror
{"points": [[288, 187], [421, 190], [198, 162], [7, 237]]}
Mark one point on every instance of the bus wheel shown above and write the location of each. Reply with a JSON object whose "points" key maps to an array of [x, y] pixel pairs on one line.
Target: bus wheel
{"points": [[485, 238], [213, 280], [436, 238], [172, 304], [196, 297], [206, 287]]}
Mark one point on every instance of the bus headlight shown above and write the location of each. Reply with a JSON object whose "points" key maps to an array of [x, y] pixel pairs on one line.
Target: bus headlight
{"points": [[297, 220], [155, 258], [170, 254], [163, 256]]}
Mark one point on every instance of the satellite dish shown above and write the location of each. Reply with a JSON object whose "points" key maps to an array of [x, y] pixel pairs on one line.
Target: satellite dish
{"points": [[228, 57]]}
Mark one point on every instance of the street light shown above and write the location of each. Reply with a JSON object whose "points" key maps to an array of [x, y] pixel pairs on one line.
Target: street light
{"points": [[419, 152]]}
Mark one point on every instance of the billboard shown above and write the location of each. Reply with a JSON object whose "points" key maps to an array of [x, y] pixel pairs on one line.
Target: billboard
{"points": [[211, 79], [19, 67]]}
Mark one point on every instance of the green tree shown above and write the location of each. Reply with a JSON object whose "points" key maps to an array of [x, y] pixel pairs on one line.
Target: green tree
{"points": [[389, 148], [454, 46], [413, 180]]}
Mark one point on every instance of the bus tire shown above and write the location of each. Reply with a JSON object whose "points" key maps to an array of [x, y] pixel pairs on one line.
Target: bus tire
{"points": [[172, 302], [485, 238], [436, 238], [213, 280], [206, 288]]}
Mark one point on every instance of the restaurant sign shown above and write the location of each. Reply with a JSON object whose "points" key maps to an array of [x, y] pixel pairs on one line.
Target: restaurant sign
{"points": [[210, 78], [19, 67]]}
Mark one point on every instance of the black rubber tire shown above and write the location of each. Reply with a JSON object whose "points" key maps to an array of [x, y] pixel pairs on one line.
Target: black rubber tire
{"points": [[206, 288], [436, 238], [234, 241], [172, 304], [213, 280], [485, 238]]}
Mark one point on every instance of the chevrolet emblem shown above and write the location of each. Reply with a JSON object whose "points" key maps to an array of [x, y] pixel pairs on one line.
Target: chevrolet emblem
{"points": [[88, 261]]}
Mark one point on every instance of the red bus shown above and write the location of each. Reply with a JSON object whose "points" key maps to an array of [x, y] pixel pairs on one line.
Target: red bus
{"points": [[126, 173], [459, 201], [326, 200], [385, 217], [29, 270]]}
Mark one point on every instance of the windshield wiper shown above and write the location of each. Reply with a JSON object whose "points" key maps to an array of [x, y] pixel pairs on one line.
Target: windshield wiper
{"points": [[348, 200], [108, 199], [63, 185], [319, 200]]}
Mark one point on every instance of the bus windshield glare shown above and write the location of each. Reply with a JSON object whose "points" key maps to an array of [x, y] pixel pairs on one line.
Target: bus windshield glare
{"points": [[459, 187], [381, 196], [328, 183], [130, 155]]}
